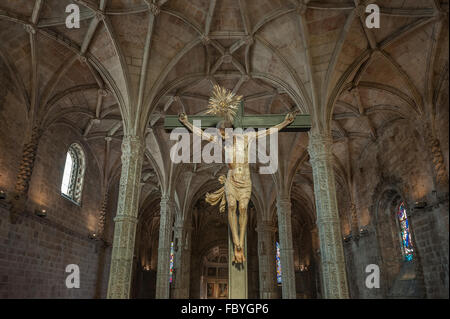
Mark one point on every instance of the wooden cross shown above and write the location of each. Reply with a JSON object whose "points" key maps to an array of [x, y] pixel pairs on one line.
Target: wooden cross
{"points": [[302, 123], [237, 274]]}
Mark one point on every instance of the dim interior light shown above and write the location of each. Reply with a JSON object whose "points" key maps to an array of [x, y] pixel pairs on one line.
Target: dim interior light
{"points": [[93, 236], [41, 212]]}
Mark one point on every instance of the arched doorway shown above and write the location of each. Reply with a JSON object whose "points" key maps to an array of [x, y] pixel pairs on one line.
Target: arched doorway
{"points": [[210, 234], [214, 279]]}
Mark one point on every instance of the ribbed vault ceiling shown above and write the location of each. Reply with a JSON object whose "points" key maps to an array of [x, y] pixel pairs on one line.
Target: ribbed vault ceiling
{"points": [[133, 61]]}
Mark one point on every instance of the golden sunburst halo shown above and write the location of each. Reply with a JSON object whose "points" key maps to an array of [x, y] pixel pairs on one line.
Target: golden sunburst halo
{"points": [[223, 103]]}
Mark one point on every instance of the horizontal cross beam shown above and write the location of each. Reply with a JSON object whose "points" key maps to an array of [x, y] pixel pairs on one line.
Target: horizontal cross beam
{"points": [[302, 123]]}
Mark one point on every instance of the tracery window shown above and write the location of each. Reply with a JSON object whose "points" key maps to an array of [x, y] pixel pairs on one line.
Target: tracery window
{"points": [[277, 256], [405, 234], [73, 176]]}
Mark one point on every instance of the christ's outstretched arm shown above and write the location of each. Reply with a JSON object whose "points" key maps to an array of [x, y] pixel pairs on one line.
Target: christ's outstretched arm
{"points": [[290, 117], [196, 130]]}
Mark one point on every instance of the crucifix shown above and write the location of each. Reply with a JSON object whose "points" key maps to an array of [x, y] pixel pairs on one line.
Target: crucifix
{"points": [[227, 111]]}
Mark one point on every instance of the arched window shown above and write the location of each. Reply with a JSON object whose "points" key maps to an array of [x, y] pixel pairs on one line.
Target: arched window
{"points": [[72, 182], [405, 234], [277, 256]]}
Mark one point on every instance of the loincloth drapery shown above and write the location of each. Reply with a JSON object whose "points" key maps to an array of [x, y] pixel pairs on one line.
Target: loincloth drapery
{"points": [[239, 189]]}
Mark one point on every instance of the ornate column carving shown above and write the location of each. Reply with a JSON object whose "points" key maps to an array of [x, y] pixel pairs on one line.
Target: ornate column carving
{"points": [[440, 171], [286, 248], [24, 175], [101, 245], [102, 216], [334, 277], [126, 218], [167, 213], [266, 257]]}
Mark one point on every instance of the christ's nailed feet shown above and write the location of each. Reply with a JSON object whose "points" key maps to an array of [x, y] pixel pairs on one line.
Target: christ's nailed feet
{"points": [[239, 257]]}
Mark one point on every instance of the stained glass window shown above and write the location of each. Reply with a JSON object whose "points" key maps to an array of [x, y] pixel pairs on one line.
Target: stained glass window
{"points": [[171, 263], [278, 263], [405, 233]]}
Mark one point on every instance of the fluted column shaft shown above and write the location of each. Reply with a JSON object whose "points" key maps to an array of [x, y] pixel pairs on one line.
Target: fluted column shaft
{"points": [[167, 213], [266, 257], [286, 248], [126, 218], [334, 277]]}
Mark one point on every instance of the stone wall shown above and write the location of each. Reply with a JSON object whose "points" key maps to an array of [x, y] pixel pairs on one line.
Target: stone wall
{"points": [[397, 164], [431, 239], [12, 129], [35, 252], [442, 123]]}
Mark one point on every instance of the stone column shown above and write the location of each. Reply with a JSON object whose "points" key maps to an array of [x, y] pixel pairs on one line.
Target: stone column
{"points": [[266, 257], [182, 234], [317, 263], [286, 247], [167, 213], [334, 278], [126, 218]]}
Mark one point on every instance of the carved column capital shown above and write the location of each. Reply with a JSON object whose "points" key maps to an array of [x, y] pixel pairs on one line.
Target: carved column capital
{"points": [[319, 147], [284, 203], [266, 227], [132, 146], [167, 203]]}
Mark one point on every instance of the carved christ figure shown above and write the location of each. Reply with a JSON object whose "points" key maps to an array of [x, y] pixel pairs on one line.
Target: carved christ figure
{"points": [[238, 184]]}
